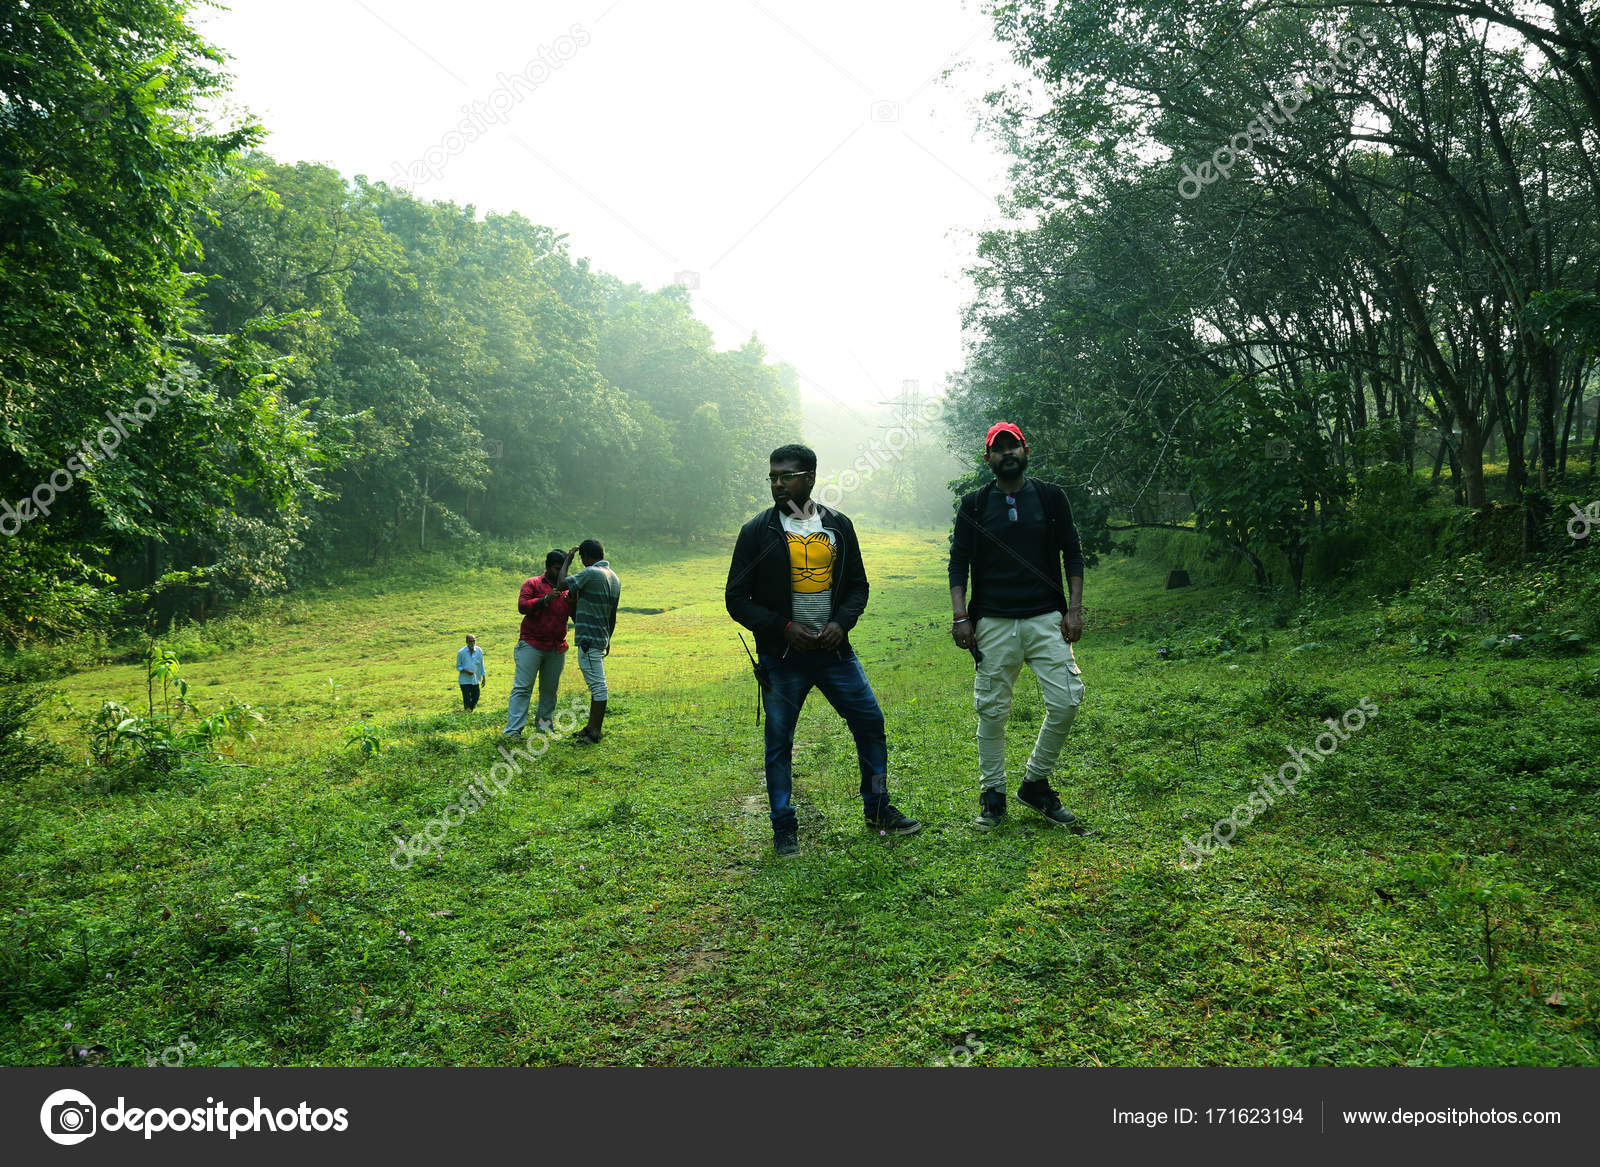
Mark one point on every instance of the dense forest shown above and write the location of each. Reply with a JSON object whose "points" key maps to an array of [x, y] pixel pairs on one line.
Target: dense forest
{"points": [[1260, 272], [219, 372], [1266, 263]]}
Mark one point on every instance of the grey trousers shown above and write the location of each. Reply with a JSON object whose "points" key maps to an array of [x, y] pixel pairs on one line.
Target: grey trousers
{"points": [[533, 662]]}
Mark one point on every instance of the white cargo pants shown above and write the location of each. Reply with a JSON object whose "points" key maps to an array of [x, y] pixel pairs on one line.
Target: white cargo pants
{"points": [[1007, 644]]}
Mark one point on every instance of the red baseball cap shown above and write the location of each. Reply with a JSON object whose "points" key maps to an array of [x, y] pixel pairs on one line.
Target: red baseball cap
{"points": [[1003, 427]]}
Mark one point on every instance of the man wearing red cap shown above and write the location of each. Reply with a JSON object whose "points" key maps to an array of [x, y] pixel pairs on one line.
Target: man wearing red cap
{"points": [[1016, 538]]}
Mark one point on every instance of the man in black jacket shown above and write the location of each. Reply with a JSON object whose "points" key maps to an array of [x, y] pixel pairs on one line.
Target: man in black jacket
{"points": [[798, 583], [1017, 538]]}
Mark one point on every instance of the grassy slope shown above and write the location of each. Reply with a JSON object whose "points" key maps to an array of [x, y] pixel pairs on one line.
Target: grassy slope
{"points": [[622, 905]]}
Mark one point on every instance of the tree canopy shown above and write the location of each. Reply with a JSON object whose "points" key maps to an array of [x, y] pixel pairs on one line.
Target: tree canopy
{"points": [[331, 367], [1255, 248]]}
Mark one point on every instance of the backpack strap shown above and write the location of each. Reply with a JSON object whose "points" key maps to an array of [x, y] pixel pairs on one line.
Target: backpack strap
{"points": [[973, 514], [973, 504]]}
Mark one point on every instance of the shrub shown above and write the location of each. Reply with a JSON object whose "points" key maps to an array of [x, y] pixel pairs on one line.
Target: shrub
{"points": [[1393, 527], [158, 743], [1540, 609], [20, 751]]}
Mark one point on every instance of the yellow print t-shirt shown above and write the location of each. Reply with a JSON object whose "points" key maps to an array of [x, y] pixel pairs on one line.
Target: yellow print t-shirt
{"points": [[811, 563]]}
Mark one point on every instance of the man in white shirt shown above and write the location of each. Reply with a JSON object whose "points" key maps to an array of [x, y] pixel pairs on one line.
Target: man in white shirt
{"points": [[470, 673]]}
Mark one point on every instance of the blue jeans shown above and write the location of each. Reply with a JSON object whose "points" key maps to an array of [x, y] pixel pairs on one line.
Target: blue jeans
{"points": [[844, 684], [531, 663], [592, 664]]}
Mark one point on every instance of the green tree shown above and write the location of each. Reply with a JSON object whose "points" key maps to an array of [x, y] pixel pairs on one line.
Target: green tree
{"points": [[104, 163]]}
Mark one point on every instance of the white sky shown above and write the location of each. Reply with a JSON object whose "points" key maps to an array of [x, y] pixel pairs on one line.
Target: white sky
{"points": [[804, 159]]}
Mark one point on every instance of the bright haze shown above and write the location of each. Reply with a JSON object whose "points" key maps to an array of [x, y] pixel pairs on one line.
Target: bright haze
{"points": [[808, 165]]}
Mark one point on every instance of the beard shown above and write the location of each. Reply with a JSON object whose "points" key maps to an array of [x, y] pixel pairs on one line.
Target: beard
{"points": [[1010, 466]]}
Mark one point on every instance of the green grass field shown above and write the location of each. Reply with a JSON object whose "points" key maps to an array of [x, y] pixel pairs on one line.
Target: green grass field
{"points": [[1428, 896]]}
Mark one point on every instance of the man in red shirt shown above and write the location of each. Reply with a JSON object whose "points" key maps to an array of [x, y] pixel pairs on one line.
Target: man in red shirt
{"points": [[541, 649]]}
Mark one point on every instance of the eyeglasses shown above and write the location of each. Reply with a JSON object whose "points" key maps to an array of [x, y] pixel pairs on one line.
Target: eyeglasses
{"points": [[786, 477], [1011, 504]]}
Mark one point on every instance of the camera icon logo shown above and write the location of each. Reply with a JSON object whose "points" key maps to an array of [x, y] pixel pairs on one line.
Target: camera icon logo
{"points": [[1583, 521], [1278, 449], [68, 1117], [885, 111], [687, 280], [961, 1055]]}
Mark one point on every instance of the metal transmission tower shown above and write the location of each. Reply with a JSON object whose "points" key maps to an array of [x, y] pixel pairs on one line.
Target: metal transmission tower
{"points": [[908, 411], [901, 437]]}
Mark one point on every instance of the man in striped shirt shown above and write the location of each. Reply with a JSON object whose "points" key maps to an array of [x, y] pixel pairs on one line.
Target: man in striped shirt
{"points": [[593, 593]]}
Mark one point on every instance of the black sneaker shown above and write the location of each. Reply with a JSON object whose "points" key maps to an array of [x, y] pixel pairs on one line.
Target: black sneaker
{"points": [[785, 842], [892, 822], [991, 809], [1038, 796]]}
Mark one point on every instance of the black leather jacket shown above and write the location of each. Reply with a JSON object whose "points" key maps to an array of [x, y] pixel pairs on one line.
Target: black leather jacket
{"points": [[760, 590]]}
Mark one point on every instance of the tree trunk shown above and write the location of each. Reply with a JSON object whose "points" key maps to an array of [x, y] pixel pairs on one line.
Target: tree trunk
{"points": [[1262, 580], [1594, 442], [422, 529], [1472, 463], [1574, 402]]}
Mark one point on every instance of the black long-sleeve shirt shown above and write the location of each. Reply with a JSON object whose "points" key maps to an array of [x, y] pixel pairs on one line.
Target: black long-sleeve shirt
{"points": [[1017, 565]]}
